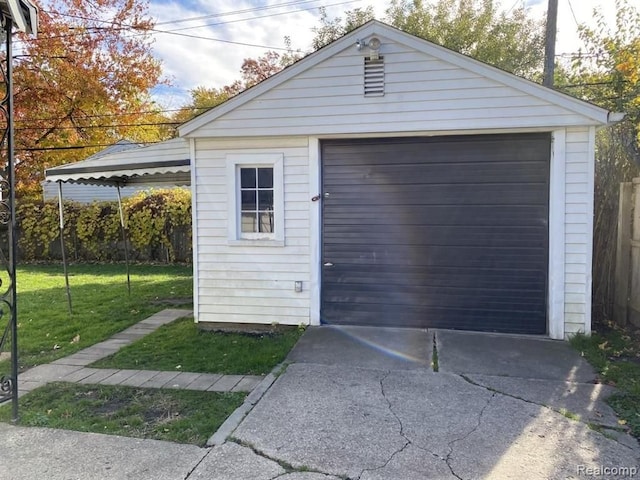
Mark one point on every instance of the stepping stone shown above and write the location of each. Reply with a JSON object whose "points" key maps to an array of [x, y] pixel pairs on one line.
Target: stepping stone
{"points": [[248, 383], [139, 378], [97, 377], [226, 383], [182, 380], [204, 381], [80, 374], [159, 380], [119, 377]]}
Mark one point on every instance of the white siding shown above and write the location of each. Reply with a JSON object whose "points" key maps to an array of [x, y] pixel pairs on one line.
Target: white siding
{"points": [[249, 283], [578, 230], [422, 94]]}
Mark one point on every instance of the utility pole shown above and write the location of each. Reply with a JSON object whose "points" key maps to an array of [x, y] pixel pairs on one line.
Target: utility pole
{"points": [[550, 43]]}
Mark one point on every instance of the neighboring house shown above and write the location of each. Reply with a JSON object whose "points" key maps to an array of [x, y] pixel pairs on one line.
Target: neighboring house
{"points": [[127, 165], [87, 193], [385, 180], [77, 192]]}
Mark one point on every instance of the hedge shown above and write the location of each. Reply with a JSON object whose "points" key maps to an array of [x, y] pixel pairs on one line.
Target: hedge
{"points": [[158, 224]]}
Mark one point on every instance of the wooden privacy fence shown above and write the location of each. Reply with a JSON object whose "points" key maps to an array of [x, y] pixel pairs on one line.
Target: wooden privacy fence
{"points": [[627, 277]]}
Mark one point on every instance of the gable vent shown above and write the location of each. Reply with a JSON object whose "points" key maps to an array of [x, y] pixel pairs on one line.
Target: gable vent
{"points": [[373, 77]]}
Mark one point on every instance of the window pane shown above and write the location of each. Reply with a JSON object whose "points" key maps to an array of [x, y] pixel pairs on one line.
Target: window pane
{"points": [[248, 200], [265, 178], [266, 222], [249, 224], [265, 200], [248, 178]]}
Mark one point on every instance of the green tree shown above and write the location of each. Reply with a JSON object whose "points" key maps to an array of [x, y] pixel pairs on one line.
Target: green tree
{"points": [[478, 28], [252, 72], [203, 99], [332, 29], [81, 82], [607, 73]]}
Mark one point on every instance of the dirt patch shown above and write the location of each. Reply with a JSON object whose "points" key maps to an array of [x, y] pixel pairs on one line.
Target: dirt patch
{"points": [[159, 416], [110, 407], [250, 329]]}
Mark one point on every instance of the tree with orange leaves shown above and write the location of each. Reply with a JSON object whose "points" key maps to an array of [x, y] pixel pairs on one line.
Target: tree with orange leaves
{"points": [[84, 81]]}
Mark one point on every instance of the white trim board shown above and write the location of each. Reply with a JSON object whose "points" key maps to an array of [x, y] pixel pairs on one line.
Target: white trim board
{"points": [[556, 273], [315, 233]]}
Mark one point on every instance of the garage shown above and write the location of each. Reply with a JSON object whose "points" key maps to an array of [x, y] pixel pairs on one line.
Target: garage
{"points": [[436, 232], [410, 186]]}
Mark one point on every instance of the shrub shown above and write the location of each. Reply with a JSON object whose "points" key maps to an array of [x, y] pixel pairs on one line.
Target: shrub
{"points": [[158, 221]]}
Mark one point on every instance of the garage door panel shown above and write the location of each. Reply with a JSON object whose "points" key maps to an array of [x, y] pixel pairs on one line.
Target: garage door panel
{"points": [[473, 215], [344, 236], [473, 193], [447, 232], [463, 277], [466, 319], [401, 175], [446, 256], [432, 296], [434, 150]]}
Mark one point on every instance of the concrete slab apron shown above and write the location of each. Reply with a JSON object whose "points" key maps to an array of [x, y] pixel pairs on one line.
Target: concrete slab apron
{"points": [[33, 453], [366, 347], [512, 356], [371, 424]]}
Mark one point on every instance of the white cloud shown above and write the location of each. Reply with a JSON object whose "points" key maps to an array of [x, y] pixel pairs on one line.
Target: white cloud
{"points": [[190, 62]]}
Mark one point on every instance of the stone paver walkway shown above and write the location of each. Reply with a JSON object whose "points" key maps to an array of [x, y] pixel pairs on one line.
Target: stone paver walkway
{"points": [[73, 368]]}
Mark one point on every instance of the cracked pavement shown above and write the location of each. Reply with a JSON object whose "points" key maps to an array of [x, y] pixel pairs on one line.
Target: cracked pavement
{"points": [[500, 407], [369, 424], [368, 407]]}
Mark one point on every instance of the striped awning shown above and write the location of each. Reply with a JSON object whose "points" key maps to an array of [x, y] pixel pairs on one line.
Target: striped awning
{"points": [[128, 163]]}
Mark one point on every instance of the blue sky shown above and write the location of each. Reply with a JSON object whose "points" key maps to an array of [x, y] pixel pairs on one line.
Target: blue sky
{"points": [[189, 62]]}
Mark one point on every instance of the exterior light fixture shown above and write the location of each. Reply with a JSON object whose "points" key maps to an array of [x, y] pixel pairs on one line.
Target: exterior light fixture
{"points": [[374, 47]]}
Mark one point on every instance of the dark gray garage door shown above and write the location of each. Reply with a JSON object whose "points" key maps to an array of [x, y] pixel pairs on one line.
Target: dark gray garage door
{"points": [[447, 232]]}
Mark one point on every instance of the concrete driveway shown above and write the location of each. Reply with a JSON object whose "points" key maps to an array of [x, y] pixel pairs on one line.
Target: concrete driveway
{"points": [[364, 403]]}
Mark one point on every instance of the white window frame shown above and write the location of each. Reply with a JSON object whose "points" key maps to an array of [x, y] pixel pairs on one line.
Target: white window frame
{"points": [[236, 161]]}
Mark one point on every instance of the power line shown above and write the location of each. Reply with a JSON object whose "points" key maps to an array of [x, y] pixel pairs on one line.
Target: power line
{"points": [[117, 114], [197, 37], [119, 125], [256, 17], [237, 12], [573, 14], [73, 147], [513, 6]]}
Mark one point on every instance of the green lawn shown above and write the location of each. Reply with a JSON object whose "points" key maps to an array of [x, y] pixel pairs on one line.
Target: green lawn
{"points": [[181, 345], [101, 305], [178, 416], [615, 354]]}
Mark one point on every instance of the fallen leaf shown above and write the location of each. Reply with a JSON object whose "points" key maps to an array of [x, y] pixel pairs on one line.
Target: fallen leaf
{"points": [[56, 347], [603, 345], [76, 339], [622, 422], [178, 367]]}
